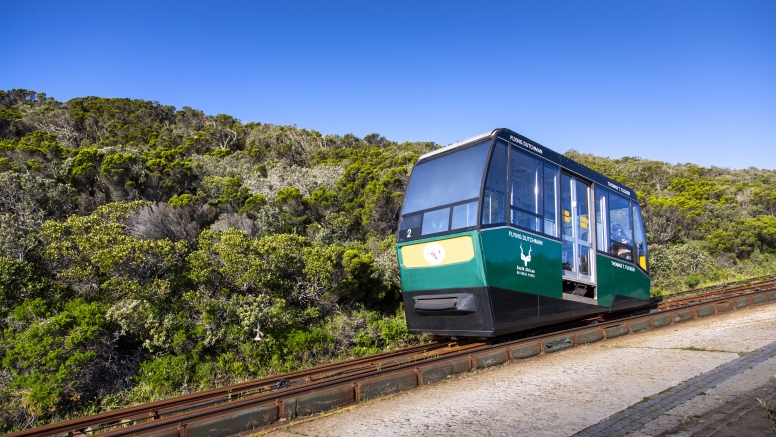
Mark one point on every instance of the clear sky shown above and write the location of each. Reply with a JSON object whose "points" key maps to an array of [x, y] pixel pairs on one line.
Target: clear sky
{"points": [[676, 81]]}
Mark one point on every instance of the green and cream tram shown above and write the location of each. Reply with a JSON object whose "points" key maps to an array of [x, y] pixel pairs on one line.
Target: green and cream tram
{"points": [[500, 234]]}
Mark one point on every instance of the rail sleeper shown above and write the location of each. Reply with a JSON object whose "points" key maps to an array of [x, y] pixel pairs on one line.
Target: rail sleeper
{"points": [[616, 331], [705, 310], [683, 315], [526, 351], [724, 306], [492, 358], [639, 325], [377, 386], [661, 320], [436, 372], [232, 423], [759, 298], [324, 400], [460, 365], [772, 295], [558, 344], [164, 432], [287, 408], [590, 336], [742, 302]]}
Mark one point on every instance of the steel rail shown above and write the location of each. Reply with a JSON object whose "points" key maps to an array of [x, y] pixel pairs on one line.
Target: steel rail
{"points": [[684, 297], [762, 280]]}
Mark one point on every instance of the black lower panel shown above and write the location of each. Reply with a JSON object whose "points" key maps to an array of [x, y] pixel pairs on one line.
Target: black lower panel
{"points": [[535, 310], [626, 303], [471, 324], [498, 311], [513, 310]]}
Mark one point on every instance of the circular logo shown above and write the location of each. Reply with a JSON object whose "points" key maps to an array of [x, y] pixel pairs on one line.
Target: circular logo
{"points": [[434, 253]]}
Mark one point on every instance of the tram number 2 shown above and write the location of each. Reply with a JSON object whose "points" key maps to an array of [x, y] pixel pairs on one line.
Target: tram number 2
{"points": [[410, 233]]}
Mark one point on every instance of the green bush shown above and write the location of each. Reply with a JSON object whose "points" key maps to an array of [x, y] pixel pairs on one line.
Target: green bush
{"points": [[56, 355]]}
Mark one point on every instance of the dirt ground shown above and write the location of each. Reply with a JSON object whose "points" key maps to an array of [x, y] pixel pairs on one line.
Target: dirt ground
{"points": [[568, 391]]}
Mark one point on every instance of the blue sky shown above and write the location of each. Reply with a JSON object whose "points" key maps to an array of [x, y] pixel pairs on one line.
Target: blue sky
{"points": [[676, 81]]}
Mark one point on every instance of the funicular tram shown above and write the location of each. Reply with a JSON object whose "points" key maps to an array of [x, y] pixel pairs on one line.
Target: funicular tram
{"points": [[500, 234]]}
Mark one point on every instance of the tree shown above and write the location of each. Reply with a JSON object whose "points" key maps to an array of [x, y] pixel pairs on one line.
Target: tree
{"points": [[161, 221], [99, 260], [26, 201]]}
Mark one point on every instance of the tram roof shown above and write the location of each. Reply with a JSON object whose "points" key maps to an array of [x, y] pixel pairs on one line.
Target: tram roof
{"points": [[537, 149]]}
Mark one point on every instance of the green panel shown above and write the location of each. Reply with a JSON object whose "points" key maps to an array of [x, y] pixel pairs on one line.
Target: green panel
{"points": [[508, 266], [461, 275], [618, 277]]}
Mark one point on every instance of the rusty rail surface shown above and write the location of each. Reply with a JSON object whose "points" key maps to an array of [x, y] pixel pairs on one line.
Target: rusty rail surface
{"points": [[259, 403], [758, 281], [731, 289]]}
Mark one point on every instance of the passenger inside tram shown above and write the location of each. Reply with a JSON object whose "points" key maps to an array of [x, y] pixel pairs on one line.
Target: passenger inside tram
{"points": [[622, 245], [567, 256]]}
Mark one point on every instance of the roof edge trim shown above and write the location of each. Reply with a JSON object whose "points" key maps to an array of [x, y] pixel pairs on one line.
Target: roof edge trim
{"points": [[456, 145]]}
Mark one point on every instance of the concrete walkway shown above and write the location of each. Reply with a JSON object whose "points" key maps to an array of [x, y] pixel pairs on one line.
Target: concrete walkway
{"points": [[685, 379], [635, 418]]}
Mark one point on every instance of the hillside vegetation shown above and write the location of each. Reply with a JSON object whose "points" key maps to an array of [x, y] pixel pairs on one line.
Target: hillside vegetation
{"points": [[147, 252]]}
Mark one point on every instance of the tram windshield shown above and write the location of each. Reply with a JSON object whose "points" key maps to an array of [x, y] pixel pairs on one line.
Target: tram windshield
{"points": [[443, 193]]}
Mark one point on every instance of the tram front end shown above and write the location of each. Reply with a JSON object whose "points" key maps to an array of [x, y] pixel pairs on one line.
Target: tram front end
{"points": [[499, 234], [444, 286]]}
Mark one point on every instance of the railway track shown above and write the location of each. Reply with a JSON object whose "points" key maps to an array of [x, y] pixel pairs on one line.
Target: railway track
{"points": [[728, 289], [164, 409], [262, 402]]}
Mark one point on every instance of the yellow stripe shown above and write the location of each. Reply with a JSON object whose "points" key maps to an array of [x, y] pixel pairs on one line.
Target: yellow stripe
{"points": [[456, 250]]}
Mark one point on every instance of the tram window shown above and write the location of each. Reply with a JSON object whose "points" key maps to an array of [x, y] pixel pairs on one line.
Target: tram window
{"points": [[436, 221], [584, 259], [495, 194], [565, 206], [567, 256], [583, 211], [410, 224], [640, 241], [451, 178], [528, 221], [620, 219], [533, 193], [550, 200], [525, 182], [464, 216], [602, 242]]}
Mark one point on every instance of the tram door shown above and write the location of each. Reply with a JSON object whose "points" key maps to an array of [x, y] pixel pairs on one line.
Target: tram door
{"points": [[577, 233]]}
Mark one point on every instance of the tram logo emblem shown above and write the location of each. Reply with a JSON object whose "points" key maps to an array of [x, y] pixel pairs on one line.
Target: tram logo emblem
{"points": [[526, 258], [434, 253]]}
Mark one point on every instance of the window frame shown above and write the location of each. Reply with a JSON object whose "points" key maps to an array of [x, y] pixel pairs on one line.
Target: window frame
{"points": [[480, 225], [544, 161], [556, 199], [606, 228], [635, 205], [450, 207], [403, 239]]}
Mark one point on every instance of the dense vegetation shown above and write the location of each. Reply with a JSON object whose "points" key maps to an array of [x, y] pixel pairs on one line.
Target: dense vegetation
{"points": [[147, 251]]}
